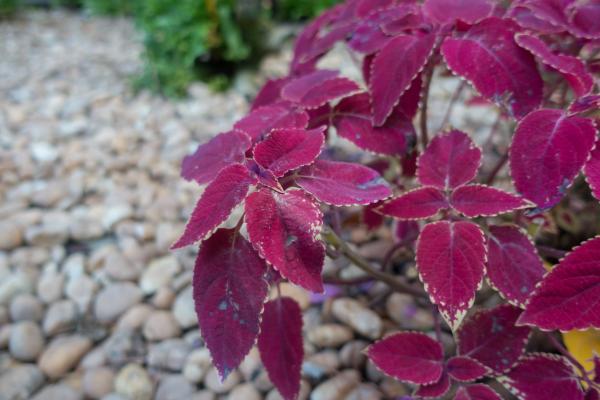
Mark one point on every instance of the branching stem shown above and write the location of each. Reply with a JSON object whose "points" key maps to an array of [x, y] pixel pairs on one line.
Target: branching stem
{"points": [[424, 99]]}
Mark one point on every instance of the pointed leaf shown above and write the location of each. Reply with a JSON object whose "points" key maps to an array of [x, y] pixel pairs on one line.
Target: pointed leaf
{"points": [[287, 149], [450, 260], [217, 202], [488, 57], [583, 17], [585, 103], [269, 93], [263, 120], [393, 70], [352, 119], [572, 68], [284, 228], [480, 200], [541, 376], [529, 15], [549, 149], [450, 160], [211, 157], [342, 183], [280, 345], [370, 218], [408, 356], [491, 337], [229, 291], [406, 231], [419, 203], [264, 176], [514, 268], [435, 390], [478, 391], [569, 296], [466, 369], [317, 88], [592, 171], [469, 11]]}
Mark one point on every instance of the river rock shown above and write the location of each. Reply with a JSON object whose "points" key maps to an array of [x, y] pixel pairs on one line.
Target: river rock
{"points": [[357, 316], [62, 354], [26, 341], [115, 299]]}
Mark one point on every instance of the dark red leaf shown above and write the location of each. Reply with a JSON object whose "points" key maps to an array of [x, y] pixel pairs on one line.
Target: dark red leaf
{"points": [[409, 101], [481, 200], [592, 394], [419, 203], [491, 337], [592, 171], [280, 345], [370, 218], [450, 160], [569, 296], [572, 68], [470, 11], [211, 157], [393, 70], [229, 290], [406, 231], [342, 183], [584, 104], [514, 268], [264, 176], [317, 88], [409, 356], [583, 18], [352, 119], [269, 93], [217, 202], [262, 120], [450, 260], [541, 376], [466, 369], [287, 149], [549, 149], [435, 390], [478, 391], [284, 228], [498, 68]]}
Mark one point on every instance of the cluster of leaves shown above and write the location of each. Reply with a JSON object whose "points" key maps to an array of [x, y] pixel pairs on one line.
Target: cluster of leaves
{"points": [[276, 163]]}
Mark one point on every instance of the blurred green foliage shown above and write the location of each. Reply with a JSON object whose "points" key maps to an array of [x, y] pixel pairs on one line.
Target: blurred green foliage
{"points": [[187, 40]]}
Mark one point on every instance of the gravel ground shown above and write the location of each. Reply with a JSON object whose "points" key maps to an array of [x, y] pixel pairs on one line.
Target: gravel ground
{"points": [[92, 302]]}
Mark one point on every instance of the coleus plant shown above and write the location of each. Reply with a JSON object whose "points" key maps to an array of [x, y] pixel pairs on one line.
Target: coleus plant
{"points": [[536, 61]]}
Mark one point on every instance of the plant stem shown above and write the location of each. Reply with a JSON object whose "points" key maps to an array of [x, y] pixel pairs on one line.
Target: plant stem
{"points": [[497, 168], [337, 243], [425, 98], [453, 100], [562, 350]]}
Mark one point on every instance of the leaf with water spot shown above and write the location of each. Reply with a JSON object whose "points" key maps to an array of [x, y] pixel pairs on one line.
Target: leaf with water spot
{"points": [[450, 261], [280, 345], [548, 150], [284, 228], [488, 57], [221, 196], [342, 183], [211, 157], [491, 337], [229, 291]]}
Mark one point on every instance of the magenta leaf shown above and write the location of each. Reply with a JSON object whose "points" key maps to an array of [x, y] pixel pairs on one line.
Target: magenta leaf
{"points": [[470, 11], [317, 88], [264, 176], [584, 104], [583, 17], [262, 120], [514, 268], [549, 149], [352, 119], [491, 337], [466, 369], [572, 68], [419, 203], [450, 260], [498, 68], [435, 390], [280, 345], [409, 356], [450, 160], [541, 376], [370, 218], [480, 200], [229, 291], [211, 157], [221, 196], [393, 70], [477, 391], [342, 183], [284, 228], [406, 231], [537, 15], [287, 149], [269, 93], [592, 171], [569, 296]]}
